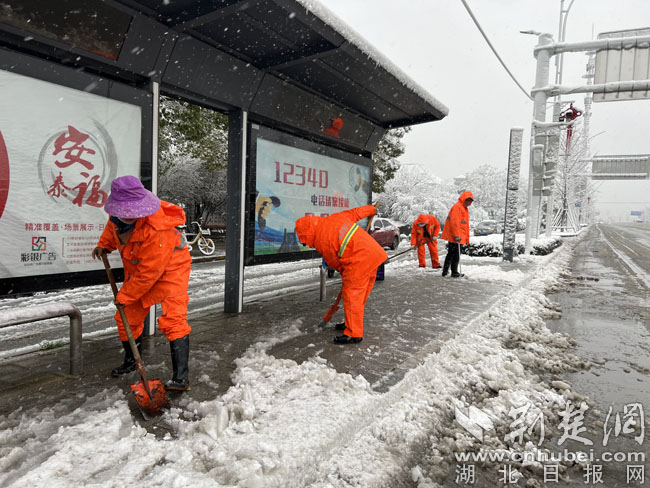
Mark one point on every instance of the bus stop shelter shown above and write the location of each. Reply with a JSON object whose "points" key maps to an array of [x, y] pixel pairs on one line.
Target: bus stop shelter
{"points": [[290, 65]]}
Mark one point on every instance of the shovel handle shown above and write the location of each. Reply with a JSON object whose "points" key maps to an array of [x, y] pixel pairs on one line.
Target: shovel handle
{"points": [[372, 216], [109, 272], [127, 328], [328, 316], [409, 249]]}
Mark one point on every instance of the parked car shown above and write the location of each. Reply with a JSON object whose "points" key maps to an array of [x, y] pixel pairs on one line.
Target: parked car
{"points": [[487, 227], [385, 233]]}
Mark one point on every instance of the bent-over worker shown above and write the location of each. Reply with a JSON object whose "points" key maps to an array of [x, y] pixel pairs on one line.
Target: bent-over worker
{"points": [[157, 267], [350, 250], [425, 233]]}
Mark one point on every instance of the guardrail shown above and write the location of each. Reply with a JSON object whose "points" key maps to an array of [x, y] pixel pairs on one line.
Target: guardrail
{"points": [[44, 312]]}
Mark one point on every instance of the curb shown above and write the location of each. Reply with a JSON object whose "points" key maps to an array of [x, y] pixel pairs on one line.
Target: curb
{"points": [[207, 259]]}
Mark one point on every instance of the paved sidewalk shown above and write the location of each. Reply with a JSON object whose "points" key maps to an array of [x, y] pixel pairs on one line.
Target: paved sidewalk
{"points": [[408, 315]]}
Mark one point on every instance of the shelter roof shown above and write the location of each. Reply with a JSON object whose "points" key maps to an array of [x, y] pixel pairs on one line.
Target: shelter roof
{"points": [[302, 42], [292, 63]]}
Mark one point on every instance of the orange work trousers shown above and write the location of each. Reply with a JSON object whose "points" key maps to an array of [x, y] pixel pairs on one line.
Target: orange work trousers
{"points": [[433, 251], [172, 322], [355, 288]]}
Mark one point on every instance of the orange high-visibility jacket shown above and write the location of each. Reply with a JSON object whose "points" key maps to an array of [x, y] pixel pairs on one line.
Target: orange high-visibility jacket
{"points": [[156, 259], [340, 241], [457, 223], [417, 232]]}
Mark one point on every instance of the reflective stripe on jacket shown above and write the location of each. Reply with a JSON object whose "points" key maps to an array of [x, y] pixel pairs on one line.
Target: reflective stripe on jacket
{"points": [[328, 236]]}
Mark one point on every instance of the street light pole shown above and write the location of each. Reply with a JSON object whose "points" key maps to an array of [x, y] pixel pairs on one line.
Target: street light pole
{"points": [[543, 57], [559, 61]]}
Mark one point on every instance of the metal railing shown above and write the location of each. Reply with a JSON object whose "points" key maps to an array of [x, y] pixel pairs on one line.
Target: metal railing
{"points": [[44, 312]]}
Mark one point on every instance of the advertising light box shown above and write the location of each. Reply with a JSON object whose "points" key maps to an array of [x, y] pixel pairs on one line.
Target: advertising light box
{"points": [[293, 178], [60, 149]]}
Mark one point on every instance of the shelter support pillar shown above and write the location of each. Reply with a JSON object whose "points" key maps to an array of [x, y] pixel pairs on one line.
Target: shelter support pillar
{"points": [[150, 320], [236, 211]]}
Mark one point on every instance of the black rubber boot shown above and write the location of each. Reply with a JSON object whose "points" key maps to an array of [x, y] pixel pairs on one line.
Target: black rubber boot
{"points": [[180, 349], [344, 339], [129, 360]]}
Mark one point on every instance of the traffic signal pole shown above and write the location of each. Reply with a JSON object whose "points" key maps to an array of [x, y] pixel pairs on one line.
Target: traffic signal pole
{"points": [[557, 108], [542, 91]]}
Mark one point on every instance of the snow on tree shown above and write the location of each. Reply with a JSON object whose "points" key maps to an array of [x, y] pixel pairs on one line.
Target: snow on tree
{"points": [[193, 156], [385, 156], [572, 183], [413, 191], [488, 184], [201, 192], [188, 130]]}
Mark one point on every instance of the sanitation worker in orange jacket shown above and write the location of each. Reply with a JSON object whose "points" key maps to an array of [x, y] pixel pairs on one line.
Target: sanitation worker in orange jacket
{"points": [[429, 238], [350, 250], [456, 232], [157, 267]]}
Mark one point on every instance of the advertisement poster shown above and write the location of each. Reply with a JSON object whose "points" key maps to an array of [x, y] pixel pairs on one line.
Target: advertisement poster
{"points": [[60, 149], [292, 183]]}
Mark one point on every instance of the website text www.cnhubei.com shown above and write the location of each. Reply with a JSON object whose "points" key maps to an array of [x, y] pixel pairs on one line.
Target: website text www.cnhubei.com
{"points": [[501, 456]]}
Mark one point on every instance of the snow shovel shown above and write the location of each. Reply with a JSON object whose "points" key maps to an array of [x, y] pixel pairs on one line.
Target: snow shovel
{"points": [[150, 395], [426, 235], [409, 249], [328, 316]]}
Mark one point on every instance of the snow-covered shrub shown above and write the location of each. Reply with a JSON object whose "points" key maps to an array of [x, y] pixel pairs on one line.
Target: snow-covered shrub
{"points": [[492, 245], [485, 247], [542, 246]]}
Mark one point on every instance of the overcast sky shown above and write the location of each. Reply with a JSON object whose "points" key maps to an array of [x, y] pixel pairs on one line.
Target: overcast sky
{"points": [[437, 44]]}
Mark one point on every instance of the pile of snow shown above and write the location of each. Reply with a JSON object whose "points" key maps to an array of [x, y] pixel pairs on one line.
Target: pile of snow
{"points": [[287, 424]]}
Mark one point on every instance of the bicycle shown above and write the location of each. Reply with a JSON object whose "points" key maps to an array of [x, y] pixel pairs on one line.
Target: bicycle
{"points": [[206, 245]]}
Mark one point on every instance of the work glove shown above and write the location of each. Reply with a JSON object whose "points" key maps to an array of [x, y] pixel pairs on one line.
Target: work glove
{"points": [[457, 239]]}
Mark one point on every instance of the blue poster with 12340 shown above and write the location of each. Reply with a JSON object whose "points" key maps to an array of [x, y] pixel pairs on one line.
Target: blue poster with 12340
{"points": [[292, 183]]}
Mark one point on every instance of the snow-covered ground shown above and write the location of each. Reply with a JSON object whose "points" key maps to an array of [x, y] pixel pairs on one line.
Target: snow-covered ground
{"points": [[287, 424], [206, 290]]}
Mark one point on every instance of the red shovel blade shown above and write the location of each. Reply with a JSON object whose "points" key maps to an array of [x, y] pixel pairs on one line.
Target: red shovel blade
{"points": [[151, 406]]}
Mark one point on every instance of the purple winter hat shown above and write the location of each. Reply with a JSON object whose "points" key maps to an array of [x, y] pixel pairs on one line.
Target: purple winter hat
{"points": [[130, 200]]}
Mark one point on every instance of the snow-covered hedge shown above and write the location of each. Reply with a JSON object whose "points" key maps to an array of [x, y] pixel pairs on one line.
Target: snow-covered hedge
{"points": [[492, 245]]}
